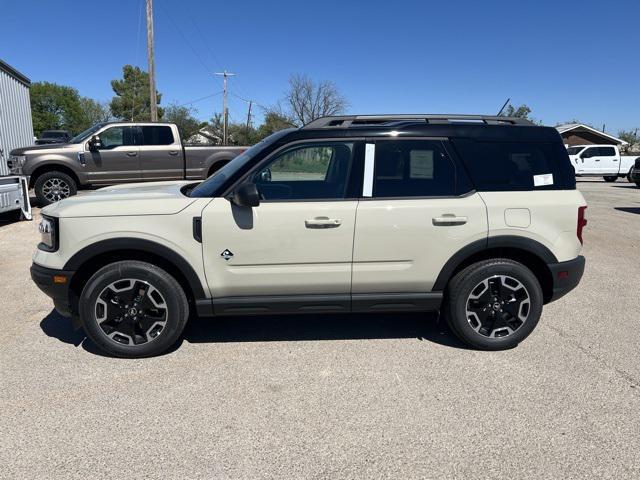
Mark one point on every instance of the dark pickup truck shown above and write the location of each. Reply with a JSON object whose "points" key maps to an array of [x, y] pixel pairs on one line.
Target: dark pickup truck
{"points": [[115, 152]]}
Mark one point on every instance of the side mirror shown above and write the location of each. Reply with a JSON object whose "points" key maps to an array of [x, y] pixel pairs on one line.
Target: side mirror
{"points": [[265, 175], [95, 143], [246, 195]]}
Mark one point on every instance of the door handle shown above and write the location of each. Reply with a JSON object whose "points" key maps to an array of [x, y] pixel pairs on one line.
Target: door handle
{"points": [[448, 220], [173, 152], [323, 222], [132, 154], [597, 159]]}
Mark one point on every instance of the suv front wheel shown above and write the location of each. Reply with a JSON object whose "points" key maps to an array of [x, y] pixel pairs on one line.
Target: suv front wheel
{"points": [[133, 309], [493, 304]]}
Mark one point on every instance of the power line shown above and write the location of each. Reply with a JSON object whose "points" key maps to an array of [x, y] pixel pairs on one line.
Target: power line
{"points": [[247, 100], [204, 42], [200, 99], [195, 52]]}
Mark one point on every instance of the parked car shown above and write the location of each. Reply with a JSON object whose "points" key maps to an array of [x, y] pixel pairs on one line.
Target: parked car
{"points": [[116, 152], [634, 175], [600, 161], [53, 136], [475, 216]]}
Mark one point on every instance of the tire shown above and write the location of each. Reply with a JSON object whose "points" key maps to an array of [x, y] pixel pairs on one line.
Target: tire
{"points": [[610, 178], [638, 184], [53, 186], [216, 166], [473, 321], [133, 309]]}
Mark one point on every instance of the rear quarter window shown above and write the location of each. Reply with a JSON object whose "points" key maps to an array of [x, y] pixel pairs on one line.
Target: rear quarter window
{"points": [[517, 166]]}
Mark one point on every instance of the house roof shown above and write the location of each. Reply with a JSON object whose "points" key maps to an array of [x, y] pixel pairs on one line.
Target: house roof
{"points": [[9, 70], [575, 126]]}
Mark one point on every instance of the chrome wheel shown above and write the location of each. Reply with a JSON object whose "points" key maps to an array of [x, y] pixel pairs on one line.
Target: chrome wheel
{"points": [[55, 189], [498, 306], [131, 312]]}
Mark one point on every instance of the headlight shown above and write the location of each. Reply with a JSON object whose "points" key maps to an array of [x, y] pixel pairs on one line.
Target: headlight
{"points": [[48, 227], [15, 163]]}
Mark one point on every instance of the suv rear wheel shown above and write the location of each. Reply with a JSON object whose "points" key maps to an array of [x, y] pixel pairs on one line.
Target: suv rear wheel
{"points": [[493, 304], [53, 186], [133, 309]]}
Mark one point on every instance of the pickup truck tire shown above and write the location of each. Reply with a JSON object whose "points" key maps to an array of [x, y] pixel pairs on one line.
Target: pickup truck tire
{"points": [[133, 309], [493, 304], [53, 186], [638, 184], [610, 178]]}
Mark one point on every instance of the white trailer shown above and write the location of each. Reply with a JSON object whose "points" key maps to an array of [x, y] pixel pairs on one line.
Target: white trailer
{"points": [[16, 130]]}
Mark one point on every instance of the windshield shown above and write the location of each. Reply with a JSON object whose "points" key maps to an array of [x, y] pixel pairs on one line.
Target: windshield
{"points": [[82, 136], [211, 185], [574, 150], [52, 134]]}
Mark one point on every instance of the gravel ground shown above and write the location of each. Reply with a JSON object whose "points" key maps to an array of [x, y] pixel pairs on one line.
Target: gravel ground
{"points": [[388, 396]]}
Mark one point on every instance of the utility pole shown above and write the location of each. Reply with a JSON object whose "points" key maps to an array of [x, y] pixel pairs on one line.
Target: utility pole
{"points": [[152, 69], [225, 109], [249, 115]]}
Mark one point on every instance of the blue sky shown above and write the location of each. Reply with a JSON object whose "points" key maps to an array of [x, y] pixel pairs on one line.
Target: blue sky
{"points": [[564, 59]]}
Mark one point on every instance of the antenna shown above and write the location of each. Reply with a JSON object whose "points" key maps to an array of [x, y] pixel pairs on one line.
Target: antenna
{"points": [[503, 107]]}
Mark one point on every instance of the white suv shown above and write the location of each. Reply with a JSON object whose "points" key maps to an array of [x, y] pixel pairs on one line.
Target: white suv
{"points": [[477, 217]]}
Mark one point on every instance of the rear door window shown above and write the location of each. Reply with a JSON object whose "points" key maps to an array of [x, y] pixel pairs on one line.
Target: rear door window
{"points": [[607, 152], [414, 168], [157, 135], [512, 166]]}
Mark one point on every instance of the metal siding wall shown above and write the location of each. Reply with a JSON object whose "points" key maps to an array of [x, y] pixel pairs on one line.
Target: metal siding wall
{"points": [[16, 127]]}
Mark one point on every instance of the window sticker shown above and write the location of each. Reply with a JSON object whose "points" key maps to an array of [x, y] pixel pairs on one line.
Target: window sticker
{"points": [[421, 163], [544, 179]]}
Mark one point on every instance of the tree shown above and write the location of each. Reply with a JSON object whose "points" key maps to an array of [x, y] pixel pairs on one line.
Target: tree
{"points": [[183, 117], [55, 106], [630, 136], [273, 122], [307, 100], [214, 128], [575, 120], [131, 100], [522, 111], [93, 112]]}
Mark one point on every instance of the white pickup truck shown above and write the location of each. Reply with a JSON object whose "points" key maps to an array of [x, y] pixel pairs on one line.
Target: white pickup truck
{"points": [[600, 161]]}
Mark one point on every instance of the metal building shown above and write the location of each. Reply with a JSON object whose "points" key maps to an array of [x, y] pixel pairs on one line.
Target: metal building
{"points": [[16, 130]]}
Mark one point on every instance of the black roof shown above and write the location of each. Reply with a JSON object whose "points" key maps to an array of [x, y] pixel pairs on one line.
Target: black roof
{"points": [[5, 67], [478, 127]]}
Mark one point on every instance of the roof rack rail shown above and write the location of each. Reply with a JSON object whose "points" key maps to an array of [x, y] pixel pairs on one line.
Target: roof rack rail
{"points": [[346, 121]]}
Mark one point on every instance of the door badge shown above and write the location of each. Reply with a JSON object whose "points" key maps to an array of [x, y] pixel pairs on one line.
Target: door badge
{"points": [[226, 254]]}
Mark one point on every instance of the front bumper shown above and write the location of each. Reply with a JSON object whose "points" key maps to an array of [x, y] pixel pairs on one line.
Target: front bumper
{"points": [[566, 276], [55, 284]]}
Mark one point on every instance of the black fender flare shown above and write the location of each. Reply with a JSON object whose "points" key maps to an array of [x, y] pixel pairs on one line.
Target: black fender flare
{"points": [[500, 241], [130, 243]]}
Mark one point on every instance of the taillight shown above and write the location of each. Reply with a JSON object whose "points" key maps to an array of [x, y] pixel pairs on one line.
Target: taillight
{"points": [[582, 222]]}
